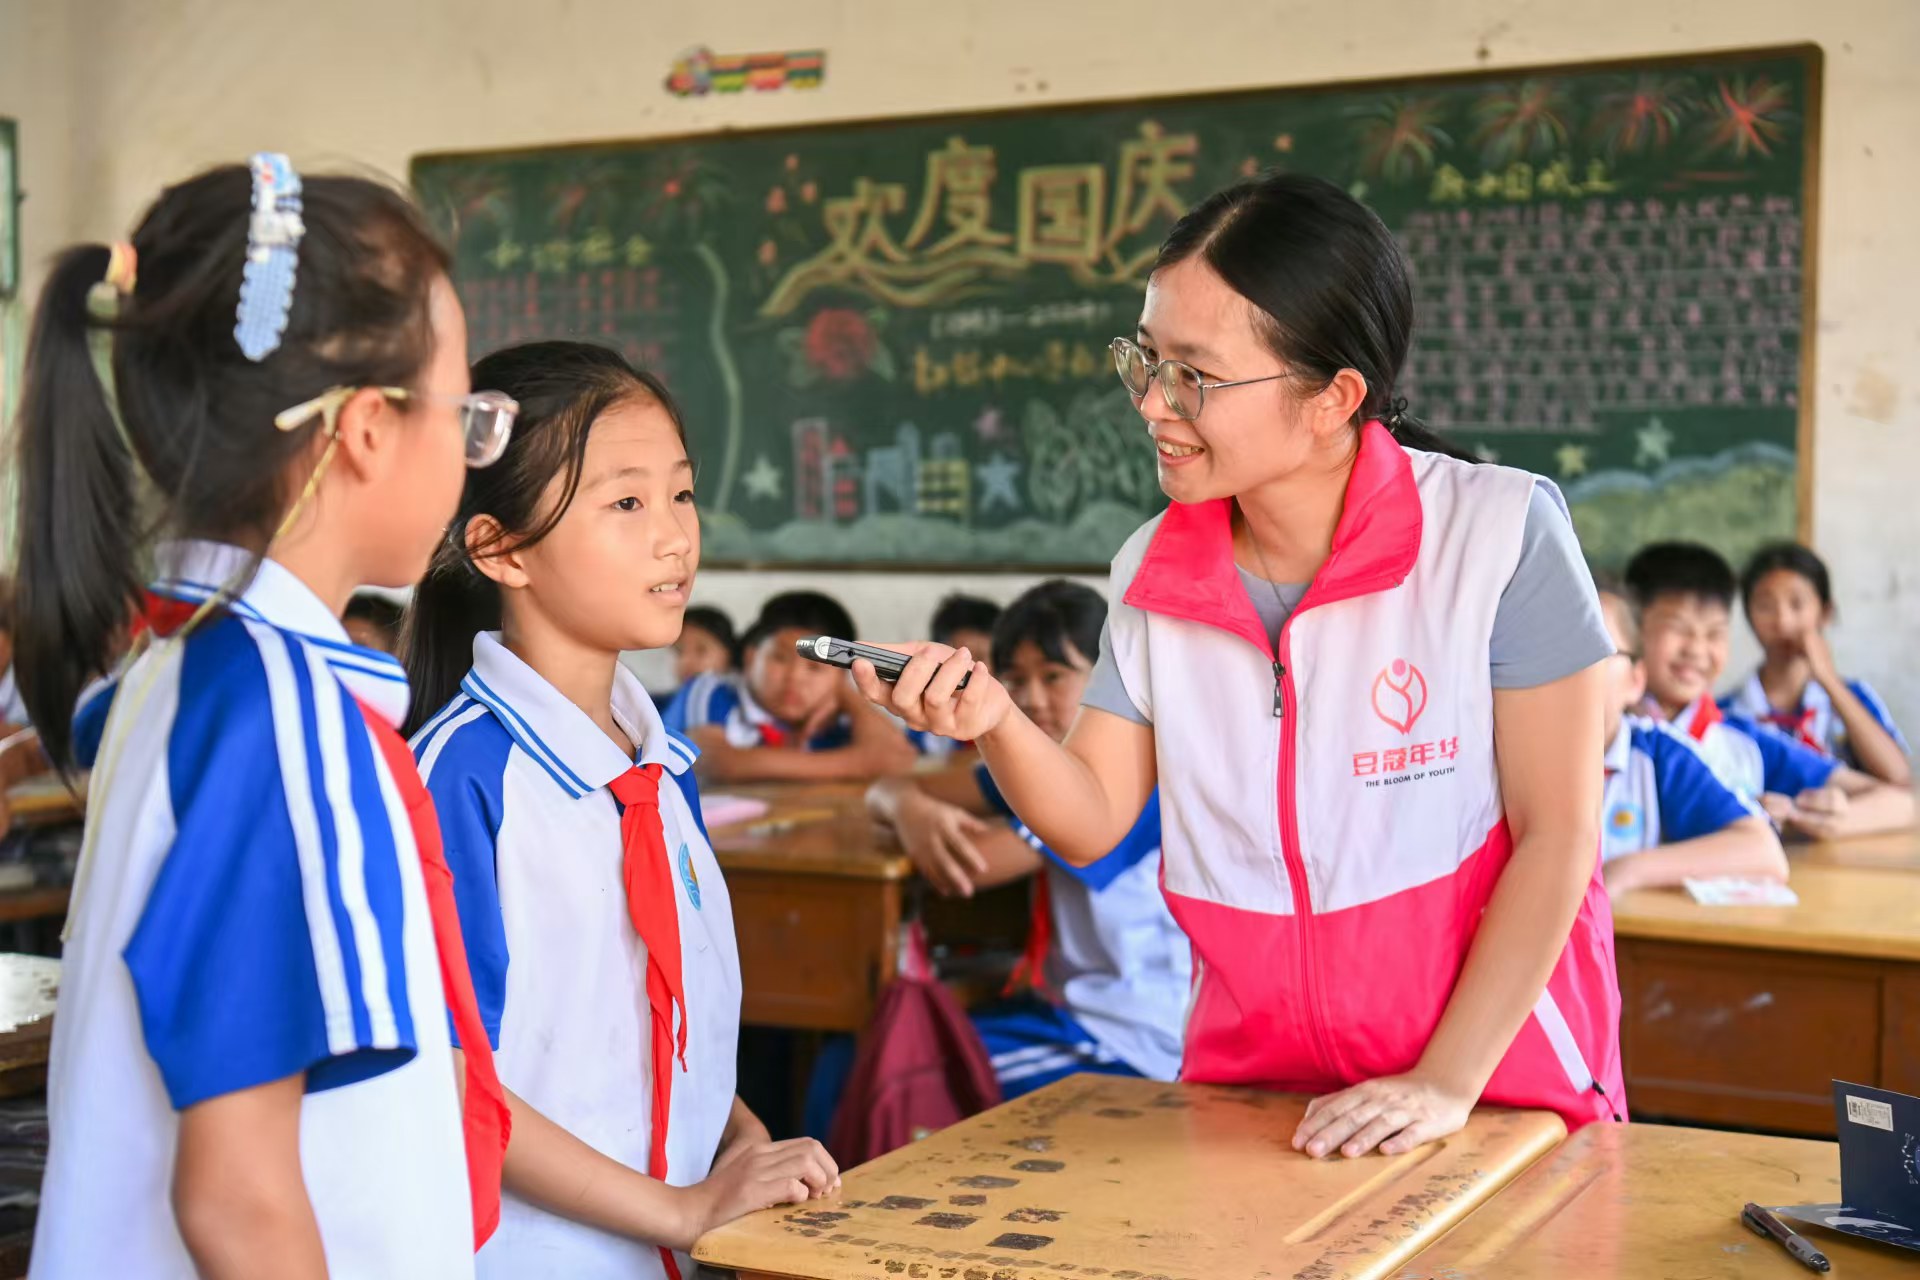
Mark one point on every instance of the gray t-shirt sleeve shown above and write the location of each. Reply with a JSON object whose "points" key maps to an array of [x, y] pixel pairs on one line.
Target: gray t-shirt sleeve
{"points": [[1106, 690], [1548, 624]]}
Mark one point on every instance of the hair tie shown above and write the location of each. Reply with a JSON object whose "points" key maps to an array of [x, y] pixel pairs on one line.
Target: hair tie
{"points": [[123, 267], [1396, 413], [273, 256]]}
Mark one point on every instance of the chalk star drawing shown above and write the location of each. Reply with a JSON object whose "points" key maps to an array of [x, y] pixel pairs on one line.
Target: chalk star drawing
{"points": [[1654, 440], [763, 479], [1572, 459], [996, 477]]}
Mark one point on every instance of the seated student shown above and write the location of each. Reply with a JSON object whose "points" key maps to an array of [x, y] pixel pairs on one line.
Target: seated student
{"points": [[1684, 592], [784, 717], [1797, 688], [965, 622], [959, 622], [1105, 952], [1666, 816], [373, 622], [706, 644]]}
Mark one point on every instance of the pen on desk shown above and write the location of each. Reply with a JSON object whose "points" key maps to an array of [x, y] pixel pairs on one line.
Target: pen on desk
{"points": [[788, 821], [1761, 1222]]}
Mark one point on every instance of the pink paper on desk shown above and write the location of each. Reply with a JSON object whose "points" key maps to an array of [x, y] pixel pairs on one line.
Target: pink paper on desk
{"points": [[727, 811]]}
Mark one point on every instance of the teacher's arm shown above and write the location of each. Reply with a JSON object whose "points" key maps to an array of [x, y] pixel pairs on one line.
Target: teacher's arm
{"points": [[1081, 796], [1547, 745]]}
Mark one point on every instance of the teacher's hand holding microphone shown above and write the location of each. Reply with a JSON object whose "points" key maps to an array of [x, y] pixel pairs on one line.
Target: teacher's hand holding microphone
{"points": [[1363, 672]]}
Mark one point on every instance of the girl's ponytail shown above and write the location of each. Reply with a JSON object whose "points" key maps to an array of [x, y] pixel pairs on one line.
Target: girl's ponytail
{"points": [[78, 524], [453, 603]]}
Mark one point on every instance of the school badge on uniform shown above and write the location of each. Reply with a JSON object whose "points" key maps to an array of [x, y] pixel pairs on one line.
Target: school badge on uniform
{"points": [[688, 877], [1625, 822]]}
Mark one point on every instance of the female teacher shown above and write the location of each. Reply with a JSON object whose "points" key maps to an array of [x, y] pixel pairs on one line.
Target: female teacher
{"points": [[1364, 674]]}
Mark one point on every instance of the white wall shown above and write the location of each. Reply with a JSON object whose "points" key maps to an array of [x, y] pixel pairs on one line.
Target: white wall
{"points": [[156, 88]]}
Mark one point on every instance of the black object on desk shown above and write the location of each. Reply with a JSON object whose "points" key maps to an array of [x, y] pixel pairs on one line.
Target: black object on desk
{"points": [[1763, 1223]]}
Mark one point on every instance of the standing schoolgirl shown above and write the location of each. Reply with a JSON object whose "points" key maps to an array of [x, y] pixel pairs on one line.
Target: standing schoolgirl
{"points": [[598, 926], [251, 1072], [1365, 677]]}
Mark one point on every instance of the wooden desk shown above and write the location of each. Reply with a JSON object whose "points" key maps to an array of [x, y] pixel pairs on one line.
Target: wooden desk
{"points": [[1636, 1201], [29, 986], [1888, 851], [1100, 1177], [816, 908], [1744, 1015], [45, 801]]}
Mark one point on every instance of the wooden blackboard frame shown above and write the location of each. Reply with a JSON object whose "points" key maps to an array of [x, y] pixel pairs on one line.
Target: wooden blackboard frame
{"points": [[1810, 54]]}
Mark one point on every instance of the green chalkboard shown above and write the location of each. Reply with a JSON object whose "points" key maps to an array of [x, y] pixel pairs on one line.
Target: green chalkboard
{"points": [[890, 337]]}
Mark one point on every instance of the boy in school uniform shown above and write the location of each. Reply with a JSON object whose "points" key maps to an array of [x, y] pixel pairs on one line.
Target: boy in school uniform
{"points": [[1665, 816], [1684, 592], [782, 717]]}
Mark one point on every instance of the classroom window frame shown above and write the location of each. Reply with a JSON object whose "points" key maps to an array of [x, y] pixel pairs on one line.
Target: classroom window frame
{"points": [[9, 208]]}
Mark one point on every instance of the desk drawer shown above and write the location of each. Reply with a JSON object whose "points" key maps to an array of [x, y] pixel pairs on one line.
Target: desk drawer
{"points": [[1729, 1035]]}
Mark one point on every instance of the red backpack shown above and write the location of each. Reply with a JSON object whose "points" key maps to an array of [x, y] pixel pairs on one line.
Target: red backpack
{"points": [[920, 1067]]}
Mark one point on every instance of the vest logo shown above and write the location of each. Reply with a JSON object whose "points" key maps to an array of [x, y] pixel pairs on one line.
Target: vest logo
{"points": [[688, 877], [1400, 695]]}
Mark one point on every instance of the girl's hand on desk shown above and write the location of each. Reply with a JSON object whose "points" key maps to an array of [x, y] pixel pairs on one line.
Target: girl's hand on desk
{"points": [[758, 1176], [1394, 1113], [939, 838], [924, 695]]}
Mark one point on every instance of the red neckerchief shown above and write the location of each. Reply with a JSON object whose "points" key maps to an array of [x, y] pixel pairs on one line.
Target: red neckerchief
{"points": [[654, 909]]}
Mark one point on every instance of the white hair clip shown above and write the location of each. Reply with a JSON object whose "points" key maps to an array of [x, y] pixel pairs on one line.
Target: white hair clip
{"points": [[273, 256]]}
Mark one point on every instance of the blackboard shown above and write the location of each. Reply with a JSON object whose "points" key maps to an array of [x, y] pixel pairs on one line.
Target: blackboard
{"points": [[890, 337]]}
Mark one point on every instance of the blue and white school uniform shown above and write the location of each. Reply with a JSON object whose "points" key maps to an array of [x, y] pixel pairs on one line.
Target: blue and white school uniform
{"points": [[1753, 759], [1118, 969], [1816, 724], [520, 778], [251, 907], [722, 698], [1660, 790]]}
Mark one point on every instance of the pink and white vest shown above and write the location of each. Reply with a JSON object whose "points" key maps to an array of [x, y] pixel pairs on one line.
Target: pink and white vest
{"points": [[1331, 816]]}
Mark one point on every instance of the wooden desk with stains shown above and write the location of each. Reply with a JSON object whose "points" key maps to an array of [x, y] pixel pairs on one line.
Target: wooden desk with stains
{"points": [[1098, 1177], [1744, 1015], [1637, 1201], [816, 906]]}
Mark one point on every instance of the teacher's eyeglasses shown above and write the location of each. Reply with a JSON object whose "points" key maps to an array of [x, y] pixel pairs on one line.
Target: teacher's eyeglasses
{"points": [[1180, 383]]}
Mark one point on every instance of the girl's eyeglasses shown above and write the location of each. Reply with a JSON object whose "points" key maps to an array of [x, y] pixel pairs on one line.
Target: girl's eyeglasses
{"points": [[486, 417], [1180, 383]]}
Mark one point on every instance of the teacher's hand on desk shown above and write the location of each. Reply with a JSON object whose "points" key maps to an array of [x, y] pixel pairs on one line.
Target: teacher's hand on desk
{"points": [[1393, 1113]]}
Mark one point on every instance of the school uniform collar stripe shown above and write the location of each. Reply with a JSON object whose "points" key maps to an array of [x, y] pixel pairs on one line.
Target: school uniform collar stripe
{"points": [[194, 571], [453, 708], [435, 739], [558, 734], [523, 734]]}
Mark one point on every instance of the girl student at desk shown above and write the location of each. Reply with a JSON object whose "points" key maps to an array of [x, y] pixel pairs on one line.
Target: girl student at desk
{"points": [[1363, 674]]}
